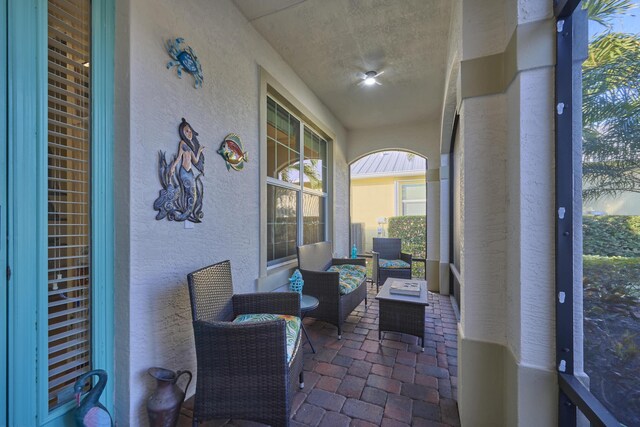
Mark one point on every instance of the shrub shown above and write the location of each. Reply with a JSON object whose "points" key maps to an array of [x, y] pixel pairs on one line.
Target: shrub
{"points": [[412, 229], [611, 235]]}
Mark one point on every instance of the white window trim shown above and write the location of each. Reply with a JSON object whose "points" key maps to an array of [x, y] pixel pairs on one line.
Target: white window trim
{"points": [[399, 202], [274, 276]]}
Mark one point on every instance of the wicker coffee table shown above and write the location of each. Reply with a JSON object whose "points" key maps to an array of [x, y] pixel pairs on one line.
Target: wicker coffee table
{"points": [[402, 313]]}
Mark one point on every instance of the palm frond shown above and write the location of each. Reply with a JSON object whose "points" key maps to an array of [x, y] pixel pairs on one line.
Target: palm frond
{"points": [[610, 47], [611, 116], [604, 11]]}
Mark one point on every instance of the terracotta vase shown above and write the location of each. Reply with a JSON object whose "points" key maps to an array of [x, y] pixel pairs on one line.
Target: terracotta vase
{"points": [[163, 406]]}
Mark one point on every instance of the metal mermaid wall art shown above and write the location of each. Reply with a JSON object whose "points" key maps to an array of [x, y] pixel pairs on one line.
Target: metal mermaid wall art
{"points": [[181, 196]]}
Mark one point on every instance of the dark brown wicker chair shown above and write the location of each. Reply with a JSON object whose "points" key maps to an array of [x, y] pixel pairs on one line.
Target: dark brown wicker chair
{"points": [[243, 371], [313, 261], [389, 249]]}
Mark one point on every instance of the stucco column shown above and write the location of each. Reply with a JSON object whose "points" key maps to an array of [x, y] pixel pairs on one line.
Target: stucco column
{"points": [[506, 186], [443, 264], [433, 230]]}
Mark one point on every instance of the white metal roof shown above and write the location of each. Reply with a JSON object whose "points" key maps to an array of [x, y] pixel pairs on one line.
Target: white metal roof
{"points": [[388, 163]]}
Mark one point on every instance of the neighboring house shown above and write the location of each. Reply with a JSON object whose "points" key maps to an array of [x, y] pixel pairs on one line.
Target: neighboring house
{"points": [[384, 185]]}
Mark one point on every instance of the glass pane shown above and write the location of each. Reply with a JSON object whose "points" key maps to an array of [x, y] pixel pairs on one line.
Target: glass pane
{"points": [[308, 144], [294, 134], [314, 219], [414, 208], [324, 161], [414, 192], [282, 228], [69, 198], [294, 167], [314, 173], [271, 158], [611, 216], [288, 129], [456, 206], [282, 121], [283, 144], [271, 118]]}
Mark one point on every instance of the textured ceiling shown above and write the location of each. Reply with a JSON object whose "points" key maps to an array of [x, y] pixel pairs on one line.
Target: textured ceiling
{"points": [[330, 43]]}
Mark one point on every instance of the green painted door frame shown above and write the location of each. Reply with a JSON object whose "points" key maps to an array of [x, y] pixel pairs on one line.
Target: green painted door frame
{"points": [[26, 143], [3, 211]]}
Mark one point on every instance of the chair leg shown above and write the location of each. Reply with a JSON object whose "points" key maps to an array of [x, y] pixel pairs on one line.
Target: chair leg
{"points": [[301, 379]]}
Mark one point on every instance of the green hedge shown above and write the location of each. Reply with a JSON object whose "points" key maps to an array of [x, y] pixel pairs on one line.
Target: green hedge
{"points": [[412, 229], [611, 235]]}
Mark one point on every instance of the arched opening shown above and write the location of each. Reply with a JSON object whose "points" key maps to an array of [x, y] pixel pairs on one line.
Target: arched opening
{"points": [[388, 198]]}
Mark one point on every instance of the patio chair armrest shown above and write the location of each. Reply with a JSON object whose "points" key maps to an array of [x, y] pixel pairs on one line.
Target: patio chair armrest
{"points": [[241, 347], [267, 302], [406, 257], [375, 266], [350, 261], [324, 285]]}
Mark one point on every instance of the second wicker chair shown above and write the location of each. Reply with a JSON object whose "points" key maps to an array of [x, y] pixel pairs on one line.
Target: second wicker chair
{"points": [[389, 260], [247, 370]]}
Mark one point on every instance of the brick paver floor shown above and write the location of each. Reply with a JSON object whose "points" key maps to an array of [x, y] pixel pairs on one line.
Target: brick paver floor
{"points": [[359, 381]]}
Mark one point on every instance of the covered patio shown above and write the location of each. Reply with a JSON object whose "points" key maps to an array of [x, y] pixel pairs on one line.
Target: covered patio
{"points": [[359, 381], [108, 209]]}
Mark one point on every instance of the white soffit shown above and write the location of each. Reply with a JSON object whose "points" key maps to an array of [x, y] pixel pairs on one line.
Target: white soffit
{"points": [[254, 9], [330, 43]]}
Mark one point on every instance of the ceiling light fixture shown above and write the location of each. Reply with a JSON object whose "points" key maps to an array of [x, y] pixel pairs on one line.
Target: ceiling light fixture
{"points": [[370, 78]]}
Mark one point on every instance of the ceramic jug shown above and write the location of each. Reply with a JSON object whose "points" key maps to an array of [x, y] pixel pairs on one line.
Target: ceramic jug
{"points": [[163, 406]]}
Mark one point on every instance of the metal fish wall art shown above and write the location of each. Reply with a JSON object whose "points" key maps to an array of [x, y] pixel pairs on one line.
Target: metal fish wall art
{"points": [[233, 152]]}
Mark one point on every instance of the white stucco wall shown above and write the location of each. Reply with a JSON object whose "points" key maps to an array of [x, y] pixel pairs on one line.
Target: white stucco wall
{"points": [[153, 324], [484, 26], [422, 138]]}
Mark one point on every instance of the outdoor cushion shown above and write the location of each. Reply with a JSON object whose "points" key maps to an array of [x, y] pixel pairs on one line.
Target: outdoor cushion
{"points": [[350, 276], [292, 326], [393, 263]]}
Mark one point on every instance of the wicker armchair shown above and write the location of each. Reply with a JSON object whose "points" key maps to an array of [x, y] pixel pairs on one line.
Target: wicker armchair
{"points": [[243, 371], [334, 308], [389, 249]]}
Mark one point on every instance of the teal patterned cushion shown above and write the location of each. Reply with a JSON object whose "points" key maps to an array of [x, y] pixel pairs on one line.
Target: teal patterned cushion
{"points": [[292, 326], [350, 276], [392, 263]]}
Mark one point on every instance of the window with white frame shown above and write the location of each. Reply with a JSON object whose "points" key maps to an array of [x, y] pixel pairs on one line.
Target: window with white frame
{"points": [[413, 198], [296, 184]]}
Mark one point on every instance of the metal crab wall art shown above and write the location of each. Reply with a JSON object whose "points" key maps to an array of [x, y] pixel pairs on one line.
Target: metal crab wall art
{"points": [[184, 58]]}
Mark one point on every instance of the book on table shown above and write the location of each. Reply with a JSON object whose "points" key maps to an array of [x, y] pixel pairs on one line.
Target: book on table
{"points": [[403, 287]]}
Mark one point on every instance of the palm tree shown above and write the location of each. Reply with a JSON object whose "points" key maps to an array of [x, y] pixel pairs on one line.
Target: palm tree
{"points": [[611, 105], [310, 171]]}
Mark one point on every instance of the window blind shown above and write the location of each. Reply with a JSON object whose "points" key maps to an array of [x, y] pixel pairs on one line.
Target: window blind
{"points": [[69, 196]]}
